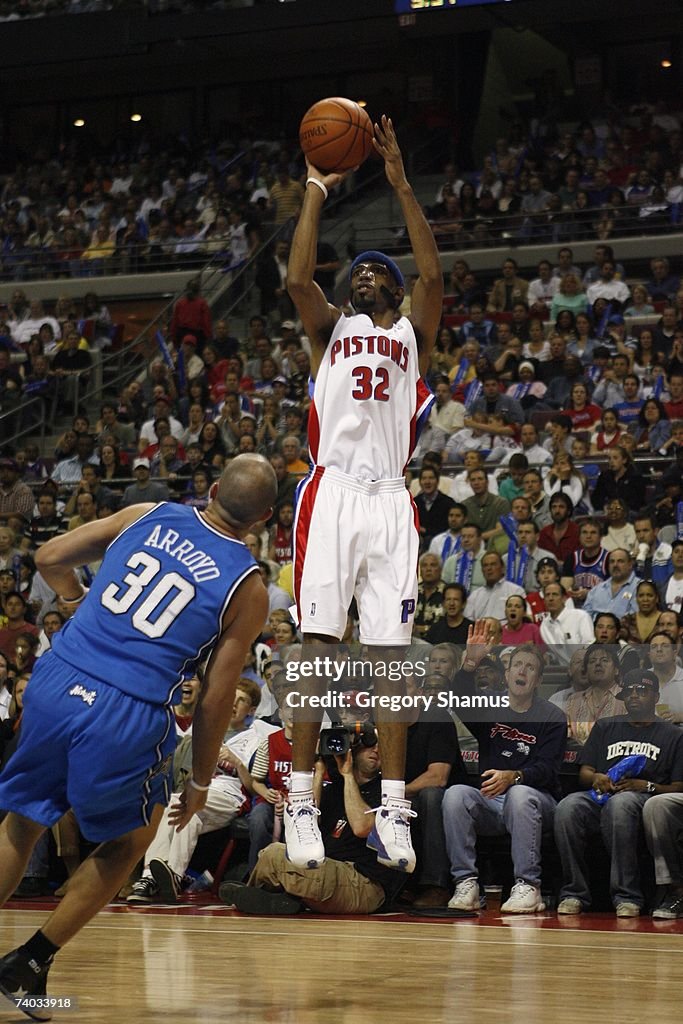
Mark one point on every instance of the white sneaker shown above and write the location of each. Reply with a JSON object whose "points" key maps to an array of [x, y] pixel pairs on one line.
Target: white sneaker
{"points": [[626, 909], [524, 899], [466, 895], [305, 847], [390, 837], [570, 905]]}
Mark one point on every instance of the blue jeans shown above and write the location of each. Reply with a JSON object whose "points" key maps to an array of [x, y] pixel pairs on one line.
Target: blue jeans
{"points": [[525, 813], [620, 823], [260, 820]]}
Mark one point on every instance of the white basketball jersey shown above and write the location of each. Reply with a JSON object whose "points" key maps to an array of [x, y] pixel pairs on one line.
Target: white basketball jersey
{"points": [[369, 400]]}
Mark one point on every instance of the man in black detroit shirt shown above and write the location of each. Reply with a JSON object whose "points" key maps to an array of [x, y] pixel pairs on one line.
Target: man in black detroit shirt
{"points": [[579, 819], [349, 881], [521, 747]]}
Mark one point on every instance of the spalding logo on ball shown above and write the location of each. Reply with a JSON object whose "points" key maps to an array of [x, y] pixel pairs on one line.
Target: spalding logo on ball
{"points": [[336, 134]]}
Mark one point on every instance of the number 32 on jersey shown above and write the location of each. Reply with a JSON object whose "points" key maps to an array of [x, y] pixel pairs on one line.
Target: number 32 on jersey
{"points": [[142, 587], [370, 383]]}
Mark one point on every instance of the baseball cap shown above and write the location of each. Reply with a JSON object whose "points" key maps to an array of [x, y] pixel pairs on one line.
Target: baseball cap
{"points": [[545, 562], [526, 365], [491, 661], [616, 318], [638, 677], [279, 380], [375, 256], [141, 463], [189, 339], [288, 325]]}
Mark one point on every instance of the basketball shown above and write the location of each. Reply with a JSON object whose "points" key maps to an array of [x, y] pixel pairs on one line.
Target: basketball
{"points": [[336, 135]]}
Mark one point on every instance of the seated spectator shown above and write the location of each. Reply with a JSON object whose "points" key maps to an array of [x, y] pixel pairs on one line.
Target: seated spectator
{"points": [[478, 327], [15, 606], [569, 296], [432, 506], [16, 497], [535, 495], [578, 680], [640, 304], [489, 600], [350, 880], [620, 480], [449, 541], [522, 568], [561, 536], [433, 762], [629, 410], [537, 347], [200, 485], [672, 589], [587, 566], [607, 286], [519, 782], [429, 606], [170, 852], [584, 344], [282, 535], [652, 428], [583, 413], [608, 435], [465, 565], [144, 489], [563, 478], [452, 627], [291, 451], [270, 771], [620, 532], [485, 508], [662, 285], [542, 291], [663, 655], [662, 823], [563, 625], [518, 627], [600, 697], [579, 818], [618, 593], [648, 361], [653, 557], [507, 289], [638, 626]]}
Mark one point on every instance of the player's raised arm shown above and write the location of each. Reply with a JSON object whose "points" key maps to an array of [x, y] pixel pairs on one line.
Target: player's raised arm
{"points": [[317, 316], [57, 559], [427, 294]]}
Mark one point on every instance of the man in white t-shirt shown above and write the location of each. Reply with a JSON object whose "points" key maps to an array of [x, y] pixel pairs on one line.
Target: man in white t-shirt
{"points": [[672, 590]]}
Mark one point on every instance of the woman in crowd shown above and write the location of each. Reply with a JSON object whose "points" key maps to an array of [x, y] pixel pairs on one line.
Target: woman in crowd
{"points": [[444, 352], [583, 413], [652, 429], [620, 532], [620, 480], [196, 418], [569, 296], [640, 304], [563, 477], [608, 435], [584, 343], [112, 468], [537, 347], [646, 358], [518, 628], [636, 627], [213, 449]]}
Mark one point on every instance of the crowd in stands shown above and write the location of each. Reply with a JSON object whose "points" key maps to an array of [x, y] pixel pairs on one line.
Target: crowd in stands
{"points": [[604, 179]]}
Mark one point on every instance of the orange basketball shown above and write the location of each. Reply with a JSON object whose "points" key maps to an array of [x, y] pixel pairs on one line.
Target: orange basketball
{"points": [[336, 134]]}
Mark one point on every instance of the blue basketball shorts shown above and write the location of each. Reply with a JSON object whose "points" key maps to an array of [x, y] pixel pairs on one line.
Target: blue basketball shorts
{"points": [[86, 745]]}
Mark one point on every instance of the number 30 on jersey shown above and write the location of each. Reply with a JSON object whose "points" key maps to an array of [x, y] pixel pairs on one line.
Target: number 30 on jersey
{"points": [[143, 587]]}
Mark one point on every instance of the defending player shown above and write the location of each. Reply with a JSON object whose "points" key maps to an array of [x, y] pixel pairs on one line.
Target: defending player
{"points": [[355, 528], [97, 732]]}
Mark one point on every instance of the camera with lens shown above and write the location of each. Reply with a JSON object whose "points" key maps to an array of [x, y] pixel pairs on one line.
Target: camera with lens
{"points": [[341, 738]]}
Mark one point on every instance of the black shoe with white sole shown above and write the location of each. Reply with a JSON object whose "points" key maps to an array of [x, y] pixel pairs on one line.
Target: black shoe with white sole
{"points": [[23, 983]]}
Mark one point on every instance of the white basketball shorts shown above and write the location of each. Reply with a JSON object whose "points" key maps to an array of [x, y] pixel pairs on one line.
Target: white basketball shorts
{"points": [[356, 538]]}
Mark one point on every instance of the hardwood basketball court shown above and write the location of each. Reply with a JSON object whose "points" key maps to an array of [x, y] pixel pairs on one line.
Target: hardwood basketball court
{"points": [[208, 963]]}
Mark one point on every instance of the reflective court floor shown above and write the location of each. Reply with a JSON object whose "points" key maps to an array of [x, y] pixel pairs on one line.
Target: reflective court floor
{"points": [[209, 963]]}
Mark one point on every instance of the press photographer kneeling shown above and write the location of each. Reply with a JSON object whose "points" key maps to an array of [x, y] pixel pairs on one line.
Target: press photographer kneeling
{"points": [[350, 881]]}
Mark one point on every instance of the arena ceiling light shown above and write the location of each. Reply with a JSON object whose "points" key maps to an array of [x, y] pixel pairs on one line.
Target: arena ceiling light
{"points": [[79, 123], [136, 117]]}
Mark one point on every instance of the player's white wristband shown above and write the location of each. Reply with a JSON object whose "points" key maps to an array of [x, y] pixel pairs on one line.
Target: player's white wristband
{"points": [[319, 183], [195, 785], [75, 600]]}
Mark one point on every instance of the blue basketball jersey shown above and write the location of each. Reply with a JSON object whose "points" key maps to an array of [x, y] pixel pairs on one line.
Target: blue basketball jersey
{"points": [[587, 574], [156, 605]]}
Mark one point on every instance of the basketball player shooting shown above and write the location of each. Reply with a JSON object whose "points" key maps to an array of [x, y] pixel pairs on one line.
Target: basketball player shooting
{"points": [[355, 531]]}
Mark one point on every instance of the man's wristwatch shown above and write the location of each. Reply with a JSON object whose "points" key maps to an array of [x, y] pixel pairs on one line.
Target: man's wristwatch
{"points": [[518, 778], [650, 787]]}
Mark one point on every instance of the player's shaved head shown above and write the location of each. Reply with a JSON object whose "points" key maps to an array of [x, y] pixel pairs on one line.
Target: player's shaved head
{"points": [[247, 491]]}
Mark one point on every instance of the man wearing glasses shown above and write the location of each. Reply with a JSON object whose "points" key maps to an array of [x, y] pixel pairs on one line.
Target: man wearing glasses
{"points": [[579, 819]]}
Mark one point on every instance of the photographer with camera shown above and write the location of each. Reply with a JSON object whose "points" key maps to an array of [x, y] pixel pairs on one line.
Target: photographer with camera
{"points": [[349, 881]]}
